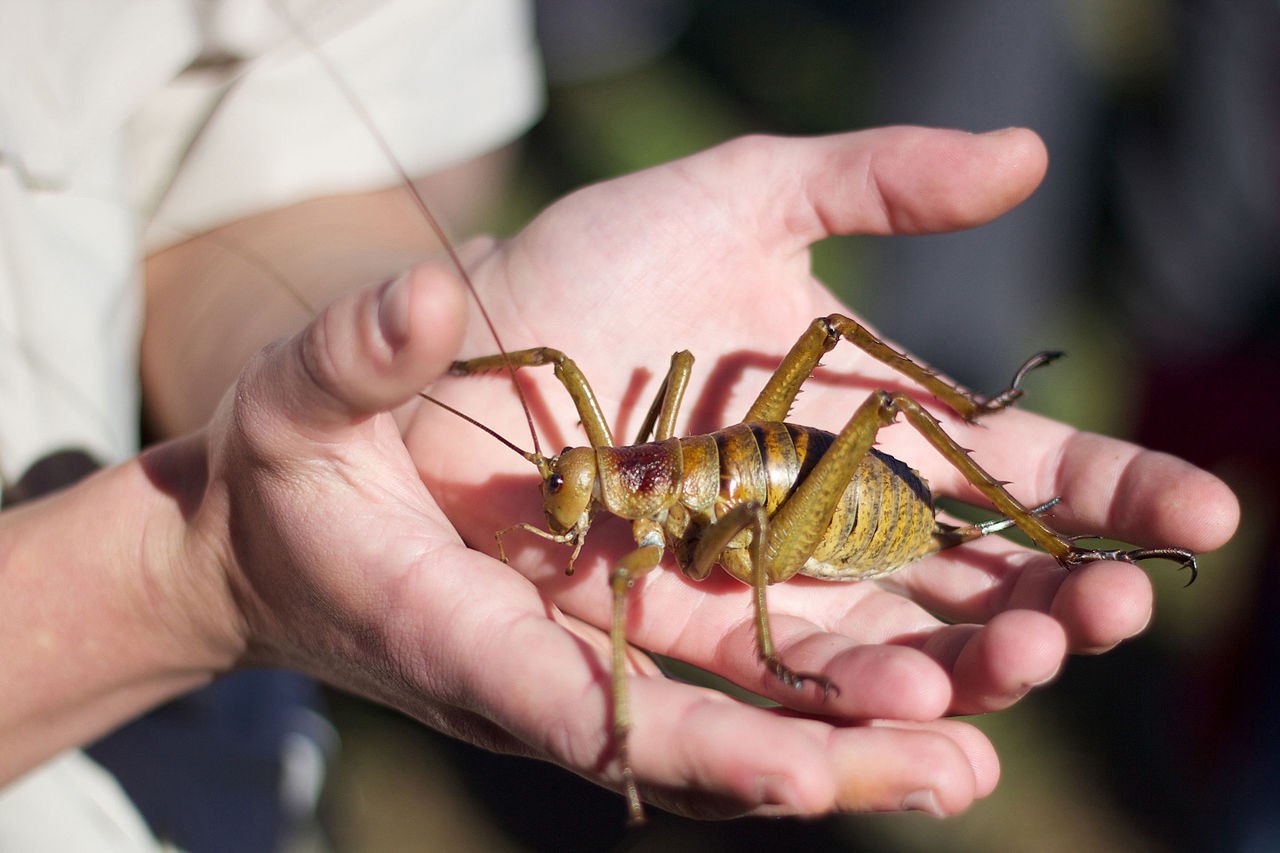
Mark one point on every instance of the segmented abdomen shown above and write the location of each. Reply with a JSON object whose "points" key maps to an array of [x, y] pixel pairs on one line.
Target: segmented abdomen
{"points": [[883, 520]]}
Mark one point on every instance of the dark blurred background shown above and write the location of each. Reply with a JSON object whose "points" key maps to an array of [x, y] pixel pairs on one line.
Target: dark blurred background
{"points": [[1151, 254]]}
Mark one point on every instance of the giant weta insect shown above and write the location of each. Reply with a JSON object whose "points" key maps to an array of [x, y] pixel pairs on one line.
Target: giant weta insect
{"points": [[764, 499]]}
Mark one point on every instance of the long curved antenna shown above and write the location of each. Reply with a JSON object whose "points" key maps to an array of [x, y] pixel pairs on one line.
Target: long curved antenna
{"points": [[421, 203], [536, 457]]}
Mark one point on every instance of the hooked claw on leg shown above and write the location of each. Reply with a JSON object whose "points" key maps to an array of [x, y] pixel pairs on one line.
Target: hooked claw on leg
{"points": [[796, 680], [1080, 556], [1006, 397]]}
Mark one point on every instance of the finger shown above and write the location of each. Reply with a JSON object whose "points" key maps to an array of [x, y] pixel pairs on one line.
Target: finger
{"points": [[749, 760], [368, 352], [1097, 605], [975, 668], [1108, 486], [981, 753], [868, 680], [896, 180], [1135, 493], [994, 665]]}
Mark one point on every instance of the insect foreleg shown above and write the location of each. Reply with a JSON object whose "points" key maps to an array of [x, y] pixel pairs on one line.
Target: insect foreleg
{"points": [[949, 536], [824, 333], [567, 371], [575, 538]]}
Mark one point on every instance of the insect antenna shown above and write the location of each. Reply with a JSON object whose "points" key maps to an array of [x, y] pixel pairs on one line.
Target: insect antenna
{"points": [[536, 457], [357, 106]]}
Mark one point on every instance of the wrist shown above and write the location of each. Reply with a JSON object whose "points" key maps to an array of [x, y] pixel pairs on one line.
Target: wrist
{"points": [[181, 558], [111, 605]]}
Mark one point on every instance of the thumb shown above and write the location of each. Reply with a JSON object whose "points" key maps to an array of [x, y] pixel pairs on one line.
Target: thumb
{"points": [[368, 352]]}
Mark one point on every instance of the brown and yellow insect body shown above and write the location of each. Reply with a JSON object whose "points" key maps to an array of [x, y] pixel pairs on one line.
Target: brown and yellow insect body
{"points": [[768, 500], [884, 519]]}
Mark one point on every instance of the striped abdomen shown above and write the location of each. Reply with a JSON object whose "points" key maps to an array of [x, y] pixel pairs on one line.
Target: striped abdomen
{"points": [[883, 520]]}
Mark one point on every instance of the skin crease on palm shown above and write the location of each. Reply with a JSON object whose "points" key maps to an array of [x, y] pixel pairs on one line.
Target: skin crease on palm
{"points": [[711, 254]]}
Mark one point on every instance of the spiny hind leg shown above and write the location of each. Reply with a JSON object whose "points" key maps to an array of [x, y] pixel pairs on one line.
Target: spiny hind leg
{"points": [[778, 395], [748, 565], [1062, 547]]}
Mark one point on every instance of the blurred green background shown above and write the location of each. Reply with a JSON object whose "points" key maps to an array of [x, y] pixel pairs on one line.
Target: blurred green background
{"points": [[1136, 750]]}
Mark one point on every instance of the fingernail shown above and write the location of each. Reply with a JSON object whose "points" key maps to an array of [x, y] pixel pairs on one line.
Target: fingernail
{"points": [[1048, 679], [1001, 131], [923, 800], [393, 312]]}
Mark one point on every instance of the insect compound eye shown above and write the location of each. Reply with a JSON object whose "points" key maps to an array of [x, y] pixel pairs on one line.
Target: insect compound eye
{"points": [[554, 484]]}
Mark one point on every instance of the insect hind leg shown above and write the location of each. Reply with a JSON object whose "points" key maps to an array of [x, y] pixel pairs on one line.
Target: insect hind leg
{"points": [[778, 395], [1063, 548]]}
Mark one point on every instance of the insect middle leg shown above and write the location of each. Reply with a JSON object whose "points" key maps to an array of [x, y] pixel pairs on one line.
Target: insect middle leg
{"points": [[714, 546], [660, 422]]}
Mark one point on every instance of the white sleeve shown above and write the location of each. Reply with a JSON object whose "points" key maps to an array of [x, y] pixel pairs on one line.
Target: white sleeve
{"points": [[444, 81], [72, 803], [70, 301]]}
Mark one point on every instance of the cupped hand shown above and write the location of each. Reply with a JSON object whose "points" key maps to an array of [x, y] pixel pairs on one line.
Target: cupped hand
{"points": [[711, 253]]}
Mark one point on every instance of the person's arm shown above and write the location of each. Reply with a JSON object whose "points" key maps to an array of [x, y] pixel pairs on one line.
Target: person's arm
{"points": [[102, 616], [123, 590]]}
